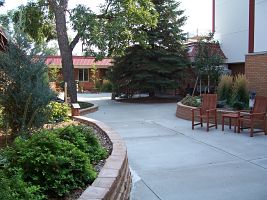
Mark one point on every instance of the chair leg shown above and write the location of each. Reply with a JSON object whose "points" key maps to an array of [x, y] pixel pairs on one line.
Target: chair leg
{"points": [[193, 121], [238, 125], [264, 126], [223, 123], [208, 122], [251, 128], [215, 118]]}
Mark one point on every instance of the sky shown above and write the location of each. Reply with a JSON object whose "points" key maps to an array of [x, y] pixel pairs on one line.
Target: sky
{"points": [[199, 13]]}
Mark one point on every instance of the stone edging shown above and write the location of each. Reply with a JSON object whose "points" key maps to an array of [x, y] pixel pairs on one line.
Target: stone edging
{"points": [[88, 110], [114, 180]]}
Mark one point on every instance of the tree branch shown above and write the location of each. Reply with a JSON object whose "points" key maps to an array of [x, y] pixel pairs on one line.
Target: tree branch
{"points": [[104, 15], [74, 41]]}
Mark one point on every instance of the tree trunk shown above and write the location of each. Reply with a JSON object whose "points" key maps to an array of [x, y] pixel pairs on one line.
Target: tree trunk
{"points": [[64, 47]]}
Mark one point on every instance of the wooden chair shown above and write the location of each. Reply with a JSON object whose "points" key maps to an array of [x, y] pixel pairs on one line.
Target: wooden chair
{"points": [[207, 111], [255, 117]]}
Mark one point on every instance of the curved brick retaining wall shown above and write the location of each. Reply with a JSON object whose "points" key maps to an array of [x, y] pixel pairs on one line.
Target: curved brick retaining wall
{"points": [[88, 110], [114, 180]]}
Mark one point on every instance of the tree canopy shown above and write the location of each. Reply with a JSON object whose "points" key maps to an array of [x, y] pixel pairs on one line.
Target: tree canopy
{"points": [[107, 33], [160, 64]]}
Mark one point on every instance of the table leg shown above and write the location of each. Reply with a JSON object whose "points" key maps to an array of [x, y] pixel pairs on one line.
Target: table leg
{"points": [[223, 123]]}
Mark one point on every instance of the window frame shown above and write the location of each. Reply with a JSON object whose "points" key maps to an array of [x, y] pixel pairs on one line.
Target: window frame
{"points": [[84, 78]]}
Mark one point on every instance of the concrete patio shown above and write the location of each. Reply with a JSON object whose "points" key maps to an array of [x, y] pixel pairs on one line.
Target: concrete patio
{"points": [[169, 161]]}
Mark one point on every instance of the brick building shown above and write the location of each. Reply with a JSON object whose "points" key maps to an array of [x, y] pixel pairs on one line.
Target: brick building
{"points": [[83, 69], [240, 27]]}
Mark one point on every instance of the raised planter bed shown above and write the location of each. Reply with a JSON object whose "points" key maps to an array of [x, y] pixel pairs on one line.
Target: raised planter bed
{"points": [[184, 112], [114, 180], [92, 109]]}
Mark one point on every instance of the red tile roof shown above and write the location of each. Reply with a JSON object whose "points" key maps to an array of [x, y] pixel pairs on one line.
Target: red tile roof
{"points": [[193, 48], [81, 61]]}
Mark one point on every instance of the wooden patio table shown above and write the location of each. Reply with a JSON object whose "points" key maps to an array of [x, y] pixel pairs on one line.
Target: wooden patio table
{"points": [[232, 115]]}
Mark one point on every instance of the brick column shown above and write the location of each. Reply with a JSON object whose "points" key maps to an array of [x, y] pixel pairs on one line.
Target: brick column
{"points": [[256, 72]]}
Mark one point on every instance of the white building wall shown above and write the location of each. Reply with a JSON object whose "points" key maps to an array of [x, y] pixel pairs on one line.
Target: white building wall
{"points": [[231, 28], [260, 34]]}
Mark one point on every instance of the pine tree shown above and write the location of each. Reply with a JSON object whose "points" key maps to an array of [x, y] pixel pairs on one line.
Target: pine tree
{"points": [[24, 87], [160, 65]]}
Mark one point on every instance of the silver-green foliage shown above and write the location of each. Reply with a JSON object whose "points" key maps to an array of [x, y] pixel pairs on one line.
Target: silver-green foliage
{"points": [[24, 86]]}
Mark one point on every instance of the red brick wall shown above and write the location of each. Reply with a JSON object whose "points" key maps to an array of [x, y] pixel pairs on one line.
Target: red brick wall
{"points": [[256, 72], [237, 68]]}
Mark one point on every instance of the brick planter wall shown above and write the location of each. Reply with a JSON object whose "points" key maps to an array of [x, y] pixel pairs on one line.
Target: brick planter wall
{"points": [[256, 72], [184, 112], [114, 180], [89, 110]]}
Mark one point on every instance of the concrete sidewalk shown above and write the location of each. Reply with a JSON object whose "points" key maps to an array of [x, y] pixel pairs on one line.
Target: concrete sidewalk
{"points": [[170, 161]]}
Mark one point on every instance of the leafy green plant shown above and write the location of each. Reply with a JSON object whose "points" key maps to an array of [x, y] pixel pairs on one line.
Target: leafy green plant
{"points": [[191, 101], [240, 95], [54, 164], [225, 88], [85, 140], [106, 86], [57, 112], [85, 104], [13, 187]]}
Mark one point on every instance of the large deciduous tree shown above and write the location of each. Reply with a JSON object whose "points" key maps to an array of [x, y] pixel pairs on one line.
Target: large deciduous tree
{"points": [[160, 64], [108, 32]]}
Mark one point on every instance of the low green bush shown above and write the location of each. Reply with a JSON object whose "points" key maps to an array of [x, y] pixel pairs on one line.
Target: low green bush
{"points": [[85, 104], [85, 140], [106, 86], [14, 188], [189, 100], [57, 112], [54, 164]]}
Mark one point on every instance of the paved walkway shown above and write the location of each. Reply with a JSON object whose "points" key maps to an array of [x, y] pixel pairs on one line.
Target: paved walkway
{"points": [[169, 161]]}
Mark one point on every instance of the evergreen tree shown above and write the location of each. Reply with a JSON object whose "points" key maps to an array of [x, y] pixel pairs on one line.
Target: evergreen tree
{"points": [[160, 65], [24, 88]]}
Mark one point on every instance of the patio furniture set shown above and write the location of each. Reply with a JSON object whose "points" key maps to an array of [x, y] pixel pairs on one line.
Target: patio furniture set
{"points": [[242, 119]]}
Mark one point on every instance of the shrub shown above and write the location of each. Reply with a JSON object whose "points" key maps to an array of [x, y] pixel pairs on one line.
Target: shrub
{"points": [[191, 101], [57, 112], [85, 140], [225, 88], [14, 188], [54, 164], [106, 86], [240, 95], [85, 104], [25, 90]]}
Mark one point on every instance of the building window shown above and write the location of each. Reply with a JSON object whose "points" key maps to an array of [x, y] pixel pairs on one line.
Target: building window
{"points": [[83, 74]]}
